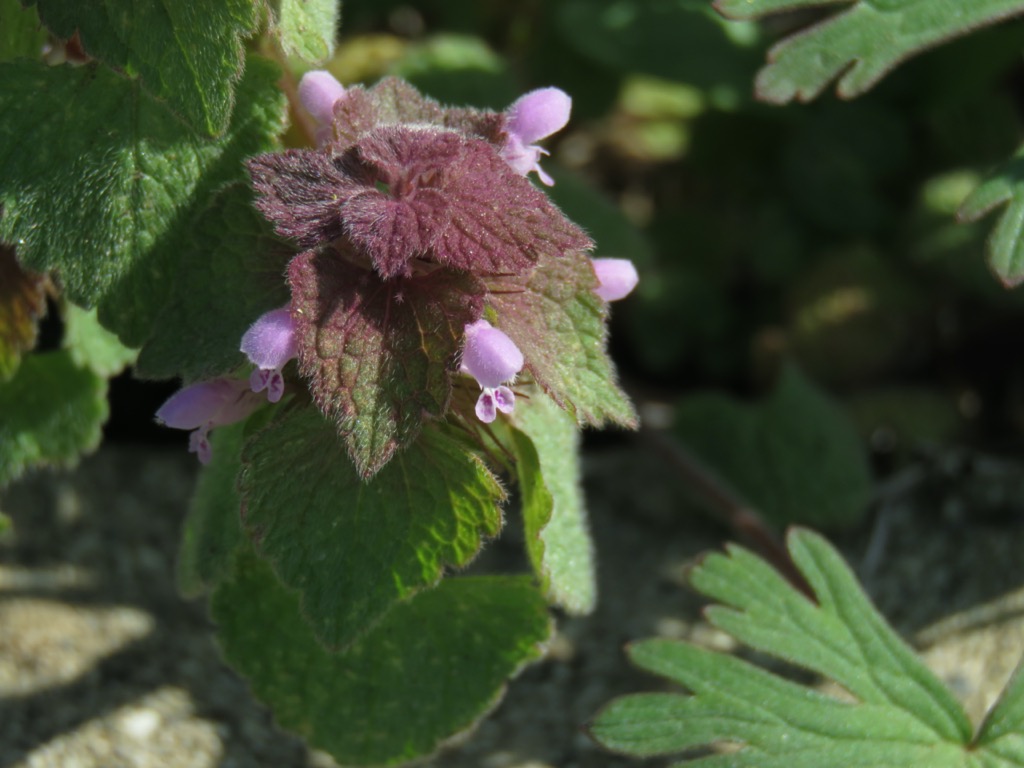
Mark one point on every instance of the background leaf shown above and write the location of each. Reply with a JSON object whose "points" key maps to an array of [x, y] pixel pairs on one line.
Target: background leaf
{"points": [[21, 34], [1006, 243], [795, 456], [188, 54], [91, 345], [307, 28], [22, 304], [100, 182], [546, 443], [858, 46], [901, 714], [51, 412], [430, 669], [353, 549]]}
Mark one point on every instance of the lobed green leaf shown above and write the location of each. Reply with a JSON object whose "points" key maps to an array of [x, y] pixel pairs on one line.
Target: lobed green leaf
{"points": [[859, 45], [100, 182], [51, 412], [433, 667], [307, 28], [354, 549], [895, 712], [91, 345], [187, 54]]}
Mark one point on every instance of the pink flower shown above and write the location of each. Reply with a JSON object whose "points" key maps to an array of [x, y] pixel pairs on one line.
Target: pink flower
{"points": [[319, 91], [270, 344], [205, 405], [532, 117], [493, 359], [616, 278]]}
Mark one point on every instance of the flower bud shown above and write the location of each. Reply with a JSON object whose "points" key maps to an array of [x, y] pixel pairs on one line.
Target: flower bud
{"points": [[616, 278], [270, 344], [204, 405], [493, 359], [318, 92], [534, 116]]}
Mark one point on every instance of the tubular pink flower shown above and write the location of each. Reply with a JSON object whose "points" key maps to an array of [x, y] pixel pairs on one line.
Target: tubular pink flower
{"points": [[270, 344], [319, 91], [493, 359], [205, 405], [616, 278], [534, 116]]}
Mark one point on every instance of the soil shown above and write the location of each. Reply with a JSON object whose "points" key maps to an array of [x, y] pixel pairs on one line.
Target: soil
{"points": [[103, 664]]}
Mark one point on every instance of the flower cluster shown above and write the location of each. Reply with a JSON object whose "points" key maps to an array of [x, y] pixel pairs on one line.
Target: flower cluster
{"points": [[412, 221]]}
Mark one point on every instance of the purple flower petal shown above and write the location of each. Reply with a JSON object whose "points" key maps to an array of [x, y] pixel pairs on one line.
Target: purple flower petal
{"points": [[270, 341], [199, 444], [616, 278], [538, 114], [485, 407], [199, 403], [504, 399], [318, 92], [490, 357]]}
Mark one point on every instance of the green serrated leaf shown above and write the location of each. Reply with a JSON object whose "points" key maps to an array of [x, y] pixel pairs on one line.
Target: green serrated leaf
{"points": [[231, 274], [22, 304], [307, 28], [433, 667], [546, 443], [1006, 243], [51, 412], [187, 54], [21, 34], [213, 530], [559, 323], [796, 456], [354, 549], [91, 345], [859, 45], [100, 182], [895, 711]]}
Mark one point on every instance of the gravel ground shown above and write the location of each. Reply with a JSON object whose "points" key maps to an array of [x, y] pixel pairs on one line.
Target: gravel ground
{"points": [[102, 664]]}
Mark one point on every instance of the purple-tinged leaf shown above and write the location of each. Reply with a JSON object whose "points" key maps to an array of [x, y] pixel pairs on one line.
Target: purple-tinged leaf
{"points": [[299, 192], [22, 303], [389, 102], [379, 355], [558, 321]]}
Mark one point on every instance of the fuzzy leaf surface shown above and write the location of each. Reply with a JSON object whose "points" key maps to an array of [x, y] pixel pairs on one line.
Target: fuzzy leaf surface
{"points": [[353, 549], [900, 715], [213, 529], [860, 44], [307, 28], [230, 274], [187, 54], [379, 355], [764, 449], [92, 346], [546, 444], [101, 183], [432, 668], [51, 412], [22, 304], [1006, 243], [558, 322]]}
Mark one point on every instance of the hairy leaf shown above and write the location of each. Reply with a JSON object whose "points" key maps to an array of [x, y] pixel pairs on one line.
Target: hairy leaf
{"points": [[546, 443], [379, 354], [91, 345], [353, 549], [22, 303], [51, 412], [100, 182], [1006, 243], [860, 44], [558, 322], [307, 28], [433, 667], [764, 451], [895, 713], [188, 54], [232, 272]]}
